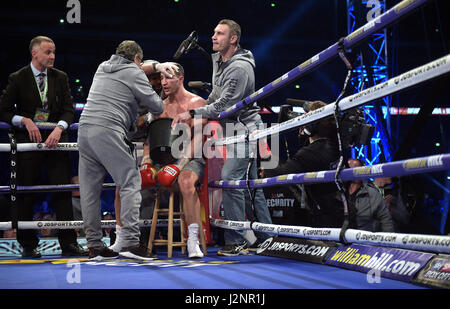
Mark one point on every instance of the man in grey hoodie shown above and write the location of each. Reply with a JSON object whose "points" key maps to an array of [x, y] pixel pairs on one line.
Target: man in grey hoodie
{"points": [[234, 80], [371, 211], [118, 89]]}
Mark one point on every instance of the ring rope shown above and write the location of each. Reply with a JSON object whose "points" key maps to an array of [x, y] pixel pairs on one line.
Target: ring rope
{"points": [[67, 225], [396, 84], [434, 163], [21, 147], [40, 125], [51, 188], [433, 243], [358, 36]]}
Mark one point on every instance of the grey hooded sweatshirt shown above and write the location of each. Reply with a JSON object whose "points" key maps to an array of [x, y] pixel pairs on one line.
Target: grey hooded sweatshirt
{"points": [[119, 88], [233, 81], [371, 211]]}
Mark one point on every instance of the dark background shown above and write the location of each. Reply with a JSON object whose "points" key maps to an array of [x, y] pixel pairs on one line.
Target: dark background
{"points": [[281, 37]]}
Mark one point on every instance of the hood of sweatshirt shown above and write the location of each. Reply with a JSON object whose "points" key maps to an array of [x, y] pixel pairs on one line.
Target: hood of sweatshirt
{"points": [[240, 55], [116, 63]]}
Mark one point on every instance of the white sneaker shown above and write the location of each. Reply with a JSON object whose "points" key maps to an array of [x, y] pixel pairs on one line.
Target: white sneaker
{"points": [[193, 248], [192, 242], [117, 246]]}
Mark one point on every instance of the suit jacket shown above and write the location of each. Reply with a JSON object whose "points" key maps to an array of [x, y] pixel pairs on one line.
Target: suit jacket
{"points": [[22, 91]]}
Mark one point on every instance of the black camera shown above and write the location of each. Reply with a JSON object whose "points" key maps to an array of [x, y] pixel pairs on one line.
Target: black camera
{"points": [[354, 130]]}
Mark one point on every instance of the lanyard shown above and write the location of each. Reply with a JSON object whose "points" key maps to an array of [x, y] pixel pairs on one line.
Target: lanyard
{"points": [[43, 94], [318, 139]]}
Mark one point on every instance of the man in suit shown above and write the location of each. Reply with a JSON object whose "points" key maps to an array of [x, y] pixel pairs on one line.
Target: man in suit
{"points": [[39, 92]]}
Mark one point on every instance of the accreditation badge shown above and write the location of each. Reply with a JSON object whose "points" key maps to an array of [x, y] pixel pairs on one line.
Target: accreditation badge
{"points": [[41, 115]]}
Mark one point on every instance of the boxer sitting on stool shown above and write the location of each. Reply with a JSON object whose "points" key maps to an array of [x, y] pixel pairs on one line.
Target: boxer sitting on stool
{"points": [[187, 170]]}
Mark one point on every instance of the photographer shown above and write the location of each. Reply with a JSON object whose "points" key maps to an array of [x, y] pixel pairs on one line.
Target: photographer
{"points": [[322, 200]]}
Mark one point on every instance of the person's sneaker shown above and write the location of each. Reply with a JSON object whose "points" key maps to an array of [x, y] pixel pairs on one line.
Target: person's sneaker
{"points": [[255, 246], [193, 249], [234, 250], [139, 252], [28, 253], [74, 249], [102, 254]]}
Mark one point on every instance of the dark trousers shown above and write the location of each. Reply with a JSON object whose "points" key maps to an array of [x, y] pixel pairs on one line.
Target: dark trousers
{"points": [[57, 167]]}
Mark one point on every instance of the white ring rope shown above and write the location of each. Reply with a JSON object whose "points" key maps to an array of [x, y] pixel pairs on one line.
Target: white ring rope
{"points": [[67, 225], [433, 243], [41, 147], [406, 80]]}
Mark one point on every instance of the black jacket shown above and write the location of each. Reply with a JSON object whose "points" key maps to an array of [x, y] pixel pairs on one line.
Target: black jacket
{"points": [[322, 199], [23, 92]]}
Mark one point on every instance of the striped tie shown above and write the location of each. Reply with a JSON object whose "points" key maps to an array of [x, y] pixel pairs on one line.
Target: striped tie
{"points": [[42, 87]]}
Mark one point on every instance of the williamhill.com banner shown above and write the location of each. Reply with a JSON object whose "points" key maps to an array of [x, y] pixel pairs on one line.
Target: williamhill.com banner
{"points": [[392, 263]]}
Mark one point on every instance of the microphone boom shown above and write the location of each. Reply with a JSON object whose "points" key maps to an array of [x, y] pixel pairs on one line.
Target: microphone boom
{"points": [[186, 45]]}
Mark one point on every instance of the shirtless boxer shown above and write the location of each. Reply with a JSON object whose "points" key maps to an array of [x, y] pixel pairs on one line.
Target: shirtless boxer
{"points": [[187, 170]]}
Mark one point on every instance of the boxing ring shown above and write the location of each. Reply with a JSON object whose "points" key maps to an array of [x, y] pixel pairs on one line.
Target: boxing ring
{"points": [[299, 257]]}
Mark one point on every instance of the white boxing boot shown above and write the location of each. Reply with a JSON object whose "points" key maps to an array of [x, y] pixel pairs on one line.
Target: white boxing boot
{"points": [[117, 246], [192, 242]]}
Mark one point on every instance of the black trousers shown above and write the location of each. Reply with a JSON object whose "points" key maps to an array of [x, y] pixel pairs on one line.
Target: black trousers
{"points": [[29, 168]]}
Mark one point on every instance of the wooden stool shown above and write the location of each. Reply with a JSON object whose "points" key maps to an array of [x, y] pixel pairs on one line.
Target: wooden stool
{"points": [[157, 211], [169, 212]]}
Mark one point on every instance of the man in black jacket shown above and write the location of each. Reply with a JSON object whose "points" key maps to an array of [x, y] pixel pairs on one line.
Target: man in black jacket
{"points": [[39, 92], [322, 200]]}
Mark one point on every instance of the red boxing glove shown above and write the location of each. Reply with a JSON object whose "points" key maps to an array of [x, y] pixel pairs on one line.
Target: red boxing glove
{"points": [[148, 174], [168, 175]]}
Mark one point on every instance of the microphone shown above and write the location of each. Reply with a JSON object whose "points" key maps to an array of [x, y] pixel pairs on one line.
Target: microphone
{"points": [[300, 103], [199, 84], [186, 45]]}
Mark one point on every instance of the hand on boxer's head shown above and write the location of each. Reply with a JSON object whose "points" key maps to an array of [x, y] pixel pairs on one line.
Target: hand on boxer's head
{"points": [[167, 68]]}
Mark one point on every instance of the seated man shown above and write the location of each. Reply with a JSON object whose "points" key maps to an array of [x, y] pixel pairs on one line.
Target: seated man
{"points": [[389, 188], [371, 211], [187, 169]]}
